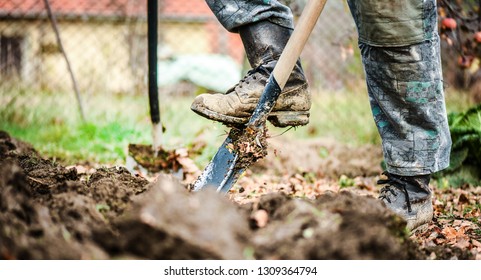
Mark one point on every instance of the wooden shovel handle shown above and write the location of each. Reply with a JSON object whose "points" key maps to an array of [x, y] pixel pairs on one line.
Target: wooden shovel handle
{"points": [[298, 39]]}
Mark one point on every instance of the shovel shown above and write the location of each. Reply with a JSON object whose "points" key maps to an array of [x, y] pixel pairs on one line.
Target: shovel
{"points": [[246, 144], [147, 158], [152, 10]]}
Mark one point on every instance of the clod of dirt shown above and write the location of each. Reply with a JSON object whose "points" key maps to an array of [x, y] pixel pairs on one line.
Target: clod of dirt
{"points": [[342, 226], [113, 189], [45, 176], [29, 230], [168, 222], [48, 212], [9, 144]]}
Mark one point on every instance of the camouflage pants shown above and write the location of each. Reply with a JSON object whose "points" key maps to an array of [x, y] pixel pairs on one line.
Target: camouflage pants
{"points": [[400, 52]]}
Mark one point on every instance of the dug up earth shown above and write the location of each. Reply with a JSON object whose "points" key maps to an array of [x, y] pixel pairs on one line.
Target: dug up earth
{"points": [[320, 204]]}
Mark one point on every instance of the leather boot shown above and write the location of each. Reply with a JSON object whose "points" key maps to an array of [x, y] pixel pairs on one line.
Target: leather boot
{"points": [[408, 196], [263, 42]]}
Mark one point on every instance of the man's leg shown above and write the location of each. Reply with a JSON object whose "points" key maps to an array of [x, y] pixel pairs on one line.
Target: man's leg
{"points": [[235, 13], [401, 57], [264, 27]]}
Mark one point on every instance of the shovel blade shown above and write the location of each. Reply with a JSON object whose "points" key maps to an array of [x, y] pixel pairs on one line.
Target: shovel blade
{"points": [[221, 172], [225, 168]]}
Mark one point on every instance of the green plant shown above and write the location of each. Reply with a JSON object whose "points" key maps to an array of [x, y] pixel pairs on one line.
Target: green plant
{"points": [[466, 136], [465, 164]]}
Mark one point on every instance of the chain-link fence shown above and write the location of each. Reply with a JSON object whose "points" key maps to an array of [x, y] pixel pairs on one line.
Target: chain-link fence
{"points": [[105, 42]]}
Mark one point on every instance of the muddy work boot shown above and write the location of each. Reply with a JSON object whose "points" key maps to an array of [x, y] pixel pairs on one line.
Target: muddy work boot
{"points": [[263, 42], [408, 196]]}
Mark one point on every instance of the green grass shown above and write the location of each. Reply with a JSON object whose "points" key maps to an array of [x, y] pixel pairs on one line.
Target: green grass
{"points": [[50, 121], [52, 124]]}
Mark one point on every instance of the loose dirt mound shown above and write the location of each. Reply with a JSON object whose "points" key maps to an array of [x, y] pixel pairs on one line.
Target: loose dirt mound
{"points": [[334, 226], [50, 212], [169, 222], [324, 157]]}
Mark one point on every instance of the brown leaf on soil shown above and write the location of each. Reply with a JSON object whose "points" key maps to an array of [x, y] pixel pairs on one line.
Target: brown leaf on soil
{"points": [[450, 233], [439, 241], [467, 224], [457, 223], [476, 243], [188, 165], [182, 152], [363, 183], [190, 170], [462, 243], [437, 202], [432, 236]]}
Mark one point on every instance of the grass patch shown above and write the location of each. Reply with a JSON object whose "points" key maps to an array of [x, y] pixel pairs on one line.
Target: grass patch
{"points": [[52, 124]]}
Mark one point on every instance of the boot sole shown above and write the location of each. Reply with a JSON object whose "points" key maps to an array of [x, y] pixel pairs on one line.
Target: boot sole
{"points": [[278, 118], [284, 119]]}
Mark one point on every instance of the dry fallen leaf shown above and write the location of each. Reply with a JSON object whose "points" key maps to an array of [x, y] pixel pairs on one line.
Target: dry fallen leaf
{"points": [[476, 243], [450, 233], [462, 243], [457, 223], [188, 165]]}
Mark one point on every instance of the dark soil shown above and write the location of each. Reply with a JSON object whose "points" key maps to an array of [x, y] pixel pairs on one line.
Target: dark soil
{"points": [[50, 212], [337, 226]]}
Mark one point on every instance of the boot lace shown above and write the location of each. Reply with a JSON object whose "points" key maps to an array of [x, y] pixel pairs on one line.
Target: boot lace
{"points": [[393, 182], [251, 73]]}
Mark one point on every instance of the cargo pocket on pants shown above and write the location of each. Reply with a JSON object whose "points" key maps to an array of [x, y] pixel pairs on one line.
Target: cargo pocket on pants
{"points": [[391, 23]]}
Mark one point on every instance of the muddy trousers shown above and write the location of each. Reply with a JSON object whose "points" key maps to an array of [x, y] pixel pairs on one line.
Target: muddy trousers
{"points": [[400, 52]]}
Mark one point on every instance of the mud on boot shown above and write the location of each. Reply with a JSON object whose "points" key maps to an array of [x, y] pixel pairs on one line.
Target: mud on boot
{"points": [[263, 42], [408, 196]]}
